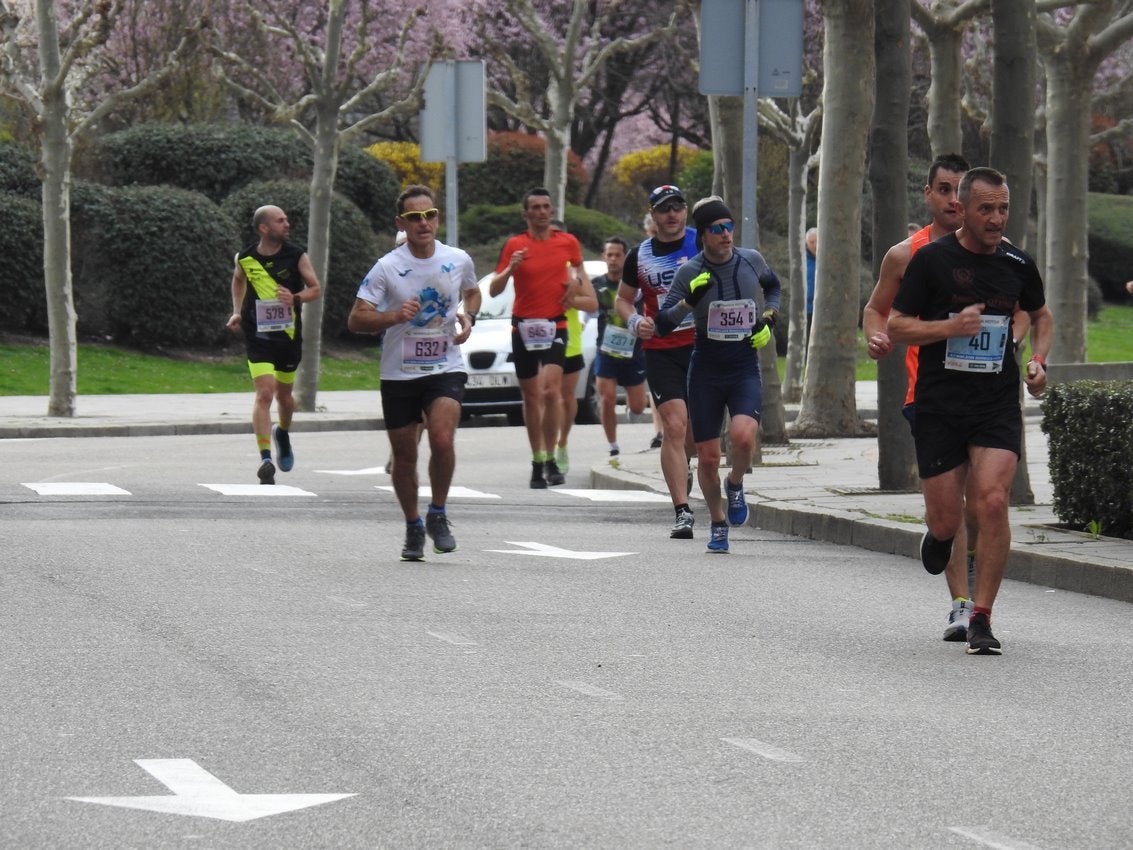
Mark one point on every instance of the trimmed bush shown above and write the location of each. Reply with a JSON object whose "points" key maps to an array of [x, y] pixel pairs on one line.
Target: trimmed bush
{"points": [[1110, 246], [21, 265], [353, 245], [17, 171], [514, 165], [152, 267], [371, 184], [1091, 453]]}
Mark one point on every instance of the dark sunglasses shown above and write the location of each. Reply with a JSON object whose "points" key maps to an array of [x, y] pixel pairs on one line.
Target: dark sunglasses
{"points": [[421, 215], [721, 227], [670, 206]]}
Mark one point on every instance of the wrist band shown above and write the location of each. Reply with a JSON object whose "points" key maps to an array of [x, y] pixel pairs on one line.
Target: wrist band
{"points": [[1036, 359], [634, 320]]}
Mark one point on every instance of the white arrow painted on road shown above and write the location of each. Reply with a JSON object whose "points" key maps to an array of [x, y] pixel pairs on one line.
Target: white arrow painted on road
{"points": [[546, 551], [198, 793]]}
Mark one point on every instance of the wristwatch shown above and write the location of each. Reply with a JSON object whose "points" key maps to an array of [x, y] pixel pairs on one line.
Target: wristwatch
{"points": [[471, 319]]}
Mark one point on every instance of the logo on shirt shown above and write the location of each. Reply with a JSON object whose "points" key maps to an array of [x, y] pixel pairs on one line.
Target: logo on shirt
{"points": [[403, 273], [448, 267]]}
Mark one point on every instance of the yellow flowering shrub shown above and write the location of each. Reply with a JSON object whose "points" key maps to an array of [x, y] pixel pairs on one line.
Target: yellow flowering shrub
{"points": [[405, 159]]}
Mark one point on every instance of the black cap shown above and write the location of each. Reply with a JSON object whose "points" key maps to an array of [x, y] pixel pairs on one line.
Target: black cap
{"points": [[664, 193]]}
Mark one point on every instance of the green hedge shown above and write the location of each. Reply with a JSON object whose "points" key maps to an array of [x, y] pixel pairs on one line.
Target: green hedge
{"points": [[353, 245], [17, 171], [152, 266], [514, 165], [1110, 243], [1090, 442], [217, 160], [21, 265]]}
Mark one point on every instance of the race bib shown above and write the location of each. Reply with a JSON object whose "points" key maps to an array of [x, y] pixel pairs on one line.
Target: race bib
{"points": [[729, 321], [536, 334], [982, 352], [274, 316], [617, 342], [424, 349]]}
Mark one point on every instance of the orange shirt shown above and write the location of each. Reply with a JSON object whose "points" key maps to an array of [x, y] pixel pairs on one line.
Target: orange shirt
{"points": [[540, 277], [913, 353]]}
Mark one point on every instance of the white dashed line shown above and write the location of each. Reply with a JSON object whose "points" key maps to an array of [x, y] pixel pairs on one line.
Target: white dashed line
{"points": [[266, 490], [613, 495], [995, 840], [760, 748], [77, 488], [455, 640]]}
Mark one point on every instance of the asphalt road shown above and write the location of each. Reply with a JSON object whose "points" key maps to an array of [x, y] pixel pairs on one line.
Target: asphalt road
{"points": [[570, 677]]}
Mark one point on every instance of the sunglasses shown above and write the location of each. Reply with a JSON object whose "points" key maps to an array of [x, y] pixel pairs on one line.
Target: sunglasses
{"points": [[421, 215], [721, 227], [670, 206]]}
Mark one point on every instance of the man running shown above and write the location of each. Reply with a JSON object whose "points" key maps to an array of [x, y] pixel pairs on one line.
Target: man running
{"points": [[650, 268], [269, 313], [956, 301], [411, 294], [722, 287]]}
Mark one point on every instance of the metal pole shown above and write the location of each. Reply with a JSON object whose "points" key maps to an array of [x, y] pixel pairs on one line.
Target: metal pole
{"points": [[749, 238], [452, 230]]}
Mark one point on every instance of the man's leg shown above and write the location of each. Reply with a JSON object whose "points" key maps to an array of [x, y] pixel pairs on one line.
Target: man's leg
{"points": [[552, 406], [708, 475], [743, 431], [568, 384], [989, 493], [534, 400], [607, 407], [265, 387], [674, 459], [403, 472], [443, 419]]}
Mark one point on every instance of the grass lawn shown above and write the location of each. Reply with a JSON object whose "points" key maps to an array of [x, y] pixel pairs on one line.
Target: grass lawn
{"points": [[109, 370]]}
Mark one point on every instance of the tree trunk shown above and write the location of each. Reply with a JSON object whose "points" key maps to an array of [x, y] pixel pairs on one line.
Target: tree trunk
{"points": [[944, 90], [888, 167], [796, 281], [56, 164], [1013, 142], [829, 407], [1067, 134], [558, 142]]}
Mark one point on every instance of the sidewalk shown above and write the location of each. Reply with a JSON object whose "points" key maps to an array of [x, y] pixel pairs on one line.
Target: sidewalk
{"points": [[819, 489]]}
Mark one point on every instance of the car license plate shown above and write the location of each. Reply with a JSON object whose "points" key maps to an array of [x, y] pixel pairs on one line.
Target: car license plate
{"points": [[491, 380]]}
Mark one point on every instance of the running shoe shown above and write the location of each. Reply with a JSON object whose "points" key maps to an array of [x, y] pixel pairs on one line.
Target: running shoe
{"points": [[266, 472], [718, 542], [554, 474], [935, 553], [615, 452], [655, 443], [737, 504], [957, 628], [980, 639], [283, 450], [538, 482], [682, 528], [562, 459], [438, 527], [414, 549]]}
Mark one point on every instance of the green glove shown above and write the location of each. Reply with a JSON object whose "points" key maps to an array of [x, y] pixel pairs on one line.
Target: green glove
{"points": [[761, 335], [698, 288]]}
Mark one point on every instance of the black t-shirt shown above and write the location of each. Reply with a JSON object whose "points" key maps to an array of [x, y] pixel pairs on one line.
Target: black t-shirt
{"points": [[943, 278], [263, 274]]}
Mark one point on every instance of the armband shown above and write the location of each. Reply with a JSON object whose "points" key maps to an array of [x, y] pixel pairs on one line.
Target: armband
{"points": [[1040, 360], [634, 320]]}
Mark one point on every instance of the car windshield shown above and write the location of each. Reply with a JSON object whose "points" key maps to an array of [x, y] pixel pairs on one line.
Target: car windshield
{"points": [[498, 306]]}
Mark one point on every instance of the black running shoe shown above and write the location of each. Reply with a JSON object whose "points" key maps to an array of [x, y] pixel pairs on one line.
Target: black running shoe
{"points": [[538, 482], [437, 526], [935, 553], [414, 549], [266, 472], [655, 443], [980, 639], [682, 528], [553, 475]]}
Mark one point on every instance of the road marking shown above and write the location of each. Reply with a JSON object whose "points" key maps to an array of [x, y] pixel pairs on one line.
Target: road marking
{"points": [[995, 840], [545, 551], [762, 749], [76, 488], [590, 690], [455, 640], [614, 495], [370, 470], [198, 793], [257, 490], [453, 492]]}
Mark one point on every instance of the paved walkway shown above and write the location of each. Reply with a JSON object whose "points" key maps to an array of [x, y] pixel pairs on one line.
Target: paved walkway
{"points": [[820, 489]]}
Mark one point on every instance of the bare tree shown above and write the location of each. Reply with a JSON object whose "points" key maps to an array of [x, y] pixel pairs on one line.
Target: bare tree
{"points": [[573, 58], [888, 176], [48, 65], [829, 406], [1072, 49], [335, 105]]}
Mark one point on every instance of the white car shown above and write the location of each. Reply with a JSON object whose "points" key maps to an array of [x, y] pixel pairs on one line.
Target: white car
{"points": [[492, 386]]}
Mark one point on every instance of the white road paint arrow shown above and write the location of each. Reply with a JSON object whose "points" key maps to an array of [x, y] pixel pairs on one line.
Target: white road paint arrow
{"points": [[198, 793], [546, 551]]}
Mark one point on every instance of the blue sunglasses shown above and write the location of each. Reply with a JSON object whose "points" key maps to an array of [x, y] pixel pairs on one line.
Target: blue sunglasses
{"points": [[721, 227]]}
